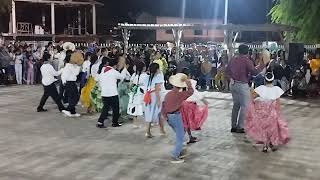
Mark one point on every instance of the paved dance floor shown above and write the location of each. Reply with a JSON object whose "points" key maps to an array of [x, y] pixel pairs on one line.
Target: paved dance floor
{"points": [[49, 146]]}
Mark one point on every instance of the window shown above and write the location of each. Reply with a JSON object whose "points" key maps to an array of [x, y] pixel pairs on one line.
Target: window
{"points": [[198, 32], [169, 31]]}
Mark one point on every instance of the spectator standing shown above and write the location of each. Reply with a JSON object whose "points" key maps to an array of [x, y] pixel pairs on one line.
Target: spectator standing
{"points": [[18, 66], [30, 70]]}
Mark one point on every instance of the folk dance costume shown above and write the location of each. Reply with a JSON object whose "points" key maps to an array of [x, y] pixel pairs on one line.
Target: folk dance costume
{"points": [[123, 89], [194, 112], [264, 122], [69, 78], [84, 75], [95, 93], [108, 82], [136, 105], [48, 79], [171, 110], [88, 84]]}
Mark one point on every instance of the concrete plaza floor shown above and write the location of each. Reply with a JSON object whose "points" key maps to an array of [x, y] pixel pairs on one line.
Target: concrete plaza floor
{"points": [[49, 146]]}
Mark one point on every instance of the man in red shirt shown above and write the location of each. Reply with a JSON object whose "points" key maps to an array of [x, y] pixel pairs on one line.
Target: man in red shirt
{"points": [[238, 70], [171, 111]]}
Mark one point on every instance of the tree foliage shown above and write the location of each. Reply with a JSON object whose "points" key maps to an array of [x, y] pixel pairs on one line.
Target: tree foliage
{"points": [[303, 14], [5, 6]]}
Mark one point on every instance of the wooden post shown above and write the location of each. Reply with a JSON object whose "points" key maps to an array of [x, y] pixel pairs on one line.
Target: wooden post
{"points": [[14, 22], [85, 21], [43, 18], [94, 20], [53, 28], [79, 22]]}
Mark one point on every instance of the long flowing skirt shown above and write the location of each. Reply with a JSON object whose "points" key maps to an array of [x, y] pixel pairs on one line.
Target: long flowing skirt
{"points": [[264, 123], [193, 115], [123, 90], [136, 104], [86, 91], [96, 98], [152, 110]]}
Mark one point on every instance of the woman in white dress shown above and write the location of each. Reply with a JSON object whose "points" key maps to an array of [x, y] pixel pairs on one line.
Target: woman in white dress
{"points": [[136, 106], [154, 88]]}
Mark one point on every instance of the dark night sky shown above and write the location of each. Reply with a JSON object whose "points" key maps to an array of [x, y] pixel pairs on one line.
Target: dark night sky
{"points": [[240, 11]]}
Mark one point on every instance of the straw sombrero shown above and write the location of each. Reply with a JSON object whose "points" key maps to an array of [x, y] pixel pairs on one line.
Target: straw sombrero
{"points": [[76, 58], [68, 46], [178, 80]]}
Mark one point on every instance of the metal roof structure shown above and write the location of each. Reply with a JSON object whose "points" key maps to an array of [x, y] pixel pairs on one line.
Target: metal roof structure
{"points": [[64, 2], [228, 27]]}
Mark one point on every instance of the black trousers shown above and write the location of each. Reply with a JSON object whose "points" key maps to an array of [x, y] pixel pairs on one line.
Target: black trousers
{"points": [[72, 95], [51, 91], [113, 103], [62, 93]]}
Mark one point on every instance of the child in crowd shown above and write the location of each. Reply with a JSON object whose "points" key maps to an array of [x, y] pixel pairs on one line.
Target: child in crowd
{"points": [[18, 66], [171, 110], [30, 74]]}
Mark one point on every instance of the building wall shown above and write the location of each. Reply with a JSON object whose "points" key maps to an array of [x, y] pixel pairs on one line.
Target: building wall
{"points": [[190, 35]]}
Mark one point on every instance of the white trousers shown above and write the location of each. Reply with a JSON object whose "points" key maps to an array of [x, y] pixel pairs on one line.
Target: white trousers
{"points": [[18, 70]]}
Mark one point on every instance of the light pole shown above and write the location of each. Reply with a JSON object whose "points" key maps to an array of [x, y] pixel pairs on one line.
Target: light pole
{"points": [[226, 6], [226, 32]]}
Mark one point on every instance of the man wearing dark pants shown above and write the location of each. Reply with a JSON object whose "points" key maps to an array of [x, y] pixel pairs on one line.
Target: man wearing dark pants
{"points": [[238, 70], [109, 92], [113, 103], [48, 79], [73, 99], [69, 77]]}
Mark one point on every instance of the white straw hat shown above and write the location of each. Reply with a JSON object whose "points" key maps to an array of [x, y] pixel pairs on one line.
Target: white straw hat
{"points": [[68, 46], [178, 80]]}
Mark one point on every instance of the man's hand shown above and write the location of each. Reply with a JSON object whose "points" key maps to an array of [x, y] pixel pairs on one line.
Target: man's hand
{"points": [[184, 78]]}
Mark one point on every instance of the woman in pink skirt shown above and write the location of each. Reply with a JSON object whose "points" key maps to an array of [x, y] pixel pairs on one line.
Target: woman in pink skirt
{"points": [[194, 110], [264, 122]]}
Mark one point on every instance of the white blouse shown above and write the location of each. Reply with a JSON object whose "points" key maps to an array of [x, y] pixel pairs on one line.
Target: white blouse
{"points": [[268, 92], [196, 96]]}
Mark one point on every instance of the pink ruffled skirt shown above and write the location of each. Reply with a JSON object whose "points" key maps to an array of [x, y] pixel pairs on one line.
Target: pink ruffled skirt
{"points": [[193, 116], [265, 124]]}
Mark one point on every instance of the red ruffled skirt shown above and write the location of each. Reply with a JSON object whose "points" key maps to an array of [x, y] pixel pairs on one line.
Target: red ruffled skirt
{"points": [[264, 123], [193, 116]]}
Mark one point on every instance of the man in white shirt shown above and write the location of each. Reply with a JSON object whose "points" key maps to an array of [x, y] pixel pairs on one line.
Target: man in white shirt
{"points": [[69, 78], [48, 79], [108, 81]]}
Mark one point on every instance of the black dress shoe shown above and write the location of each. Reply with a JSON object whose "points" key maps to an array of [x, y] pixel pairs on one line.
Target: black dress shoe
{"points": [[265, 149], [192, 140], [233, 130], [42, 110], [240, 131], [116, 125], [100, 126]]}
